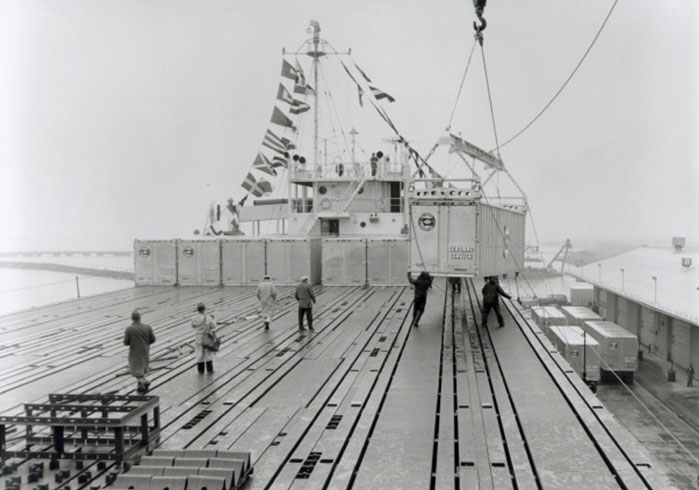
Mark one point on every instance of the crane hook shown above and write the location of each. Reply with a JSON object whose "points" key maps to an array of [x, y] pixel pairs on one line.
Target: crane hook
{"points": [[480, 28]]}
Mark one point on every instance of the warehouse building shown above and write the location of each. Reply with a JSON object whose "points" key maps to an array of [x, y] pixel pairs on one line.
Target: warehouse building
{"points": [[653, 293]]}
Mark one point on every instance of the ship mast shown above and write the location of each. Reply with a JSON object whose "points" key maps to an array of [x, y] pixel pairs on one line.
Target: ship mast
{"points": [[315, 51]]}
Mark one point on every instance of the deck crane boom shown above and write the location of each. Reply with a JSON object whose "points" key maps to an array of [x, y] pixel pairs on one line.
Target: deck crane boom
{"points": [[564, 249]]}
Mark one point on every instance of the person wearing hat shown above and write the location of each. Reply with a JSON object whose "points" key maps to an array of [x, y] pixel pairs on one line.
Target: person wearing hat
{"points": [[139, 337], [267, 295], [203, 324], [305, 297]]}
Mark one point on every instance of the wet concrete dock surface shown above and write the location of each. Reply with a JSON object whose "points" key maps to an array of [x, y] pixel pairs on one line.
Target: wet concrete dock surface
{"points": [[364, 401]]}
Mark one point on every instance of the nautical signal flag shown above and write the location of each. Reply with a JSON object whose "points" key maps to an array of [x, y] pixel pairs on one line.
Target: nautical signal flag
{"points": [[263, 165], [274, 142], [361, 71], [300, 85], [255, 187], [299, 107], [278, 117], [284, 95], [280, 161], [288, 71], [303, 88], [380, 94]]}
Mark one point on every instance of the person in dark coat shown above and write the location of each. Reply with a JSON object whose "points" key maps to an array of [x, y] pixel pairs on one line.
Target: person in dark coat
{"points": [[690, 376], [139, 338], [422, 284], [305, 297], [491, 293]]}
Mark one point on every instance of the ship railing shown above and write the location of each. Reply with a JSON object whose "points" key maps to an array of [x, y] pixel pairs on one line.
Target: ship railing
{"points": [[346, 171]]}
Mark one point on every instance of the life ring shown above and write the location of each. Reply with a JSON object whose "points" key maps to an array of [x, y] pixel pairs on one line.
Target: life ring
{"points": [[325, 204], [380, 204]]}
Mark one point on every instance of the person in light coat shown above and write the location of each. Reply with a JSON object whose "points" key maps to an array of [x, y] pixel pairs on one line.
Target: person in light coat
{"points": [[203, 323], [267, 295], [139, 338]]}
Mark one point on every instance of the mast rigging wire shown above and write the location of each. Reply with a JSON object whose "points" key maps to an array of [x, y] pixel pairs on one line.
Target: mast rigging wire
{"points": [[458, 94], [555, 96]]}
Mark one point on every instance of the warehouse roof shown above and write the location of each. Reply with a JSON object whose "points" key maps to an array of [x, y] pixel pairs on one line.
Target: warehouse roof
{"points": [[677, 284]]}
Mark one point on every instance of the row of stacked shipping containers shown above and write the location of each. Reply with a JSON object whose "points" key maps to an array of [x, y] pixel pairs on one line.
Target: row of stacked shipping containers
{"points": [[600, 349], [244, 261], [668, 337]]}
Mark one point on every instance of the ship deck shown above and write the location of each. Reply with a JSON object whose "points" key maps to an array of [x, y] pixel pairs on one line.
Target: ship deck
{"points": [[366, 401]]}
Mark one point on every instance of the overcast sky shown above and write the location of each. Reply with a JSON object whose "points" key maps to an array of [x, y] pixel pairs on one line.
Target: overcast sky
{"points": [[125, 119]]}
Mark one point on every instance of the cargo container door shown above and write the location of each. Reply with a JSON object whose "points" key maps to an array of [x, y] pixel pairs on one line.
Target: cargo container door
{"points": [[298, 260], [232, 260], [166, 262], [378, 261], [255, 253], [188, 259], [355, 262], [681, 342], [425, 245], [647, 336], [460, 240], [210, 263], [333, 262], [399, 259], [145, 271]]}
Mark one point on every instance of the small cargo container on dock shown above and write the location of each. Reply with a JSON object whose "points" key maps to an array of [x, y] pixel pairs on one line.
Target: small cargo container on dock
{"points": [[581, 294], [155, 262], [618, 348], [577, 348], [288, 259], [545, 316], [344, 261], [387, 261], [199, 262], [242, 261], [577, 315]]}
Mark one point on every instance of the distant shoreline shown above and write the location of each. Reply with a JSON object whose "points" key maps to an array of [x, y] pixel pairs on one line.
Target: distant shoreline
{"points": [[87, 271]]}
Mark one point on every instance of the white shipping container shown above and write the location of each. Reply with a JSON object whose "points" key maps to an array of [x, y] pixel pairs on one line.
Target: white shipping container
{"points": [[387, 261], [155, 262], [242, 261], [288, 259], [577, 315], [344, 261], [453, 233], [582, 294], [199, 262], [545, 316], [617, 346], [576, 348]]}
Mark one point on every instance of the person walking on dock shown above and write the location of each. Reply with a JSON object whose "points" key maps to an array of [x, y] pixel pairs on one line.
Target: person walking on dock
{"points": [[203, 324], [139, 337], [422, 284], [267, 295], [305, 297], [491, 294], [690, 375]]}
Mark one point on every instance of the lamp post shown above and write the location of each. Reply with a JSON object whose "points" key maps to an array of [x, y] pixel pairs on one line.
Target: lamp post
{"points": [[622, 279], [655, 289], [599, 266]]}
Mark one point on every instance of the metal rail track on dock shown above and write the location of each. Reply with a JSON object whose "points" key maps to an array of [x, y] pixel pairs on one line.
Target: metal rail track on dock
{"points": [[365, 401]]}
